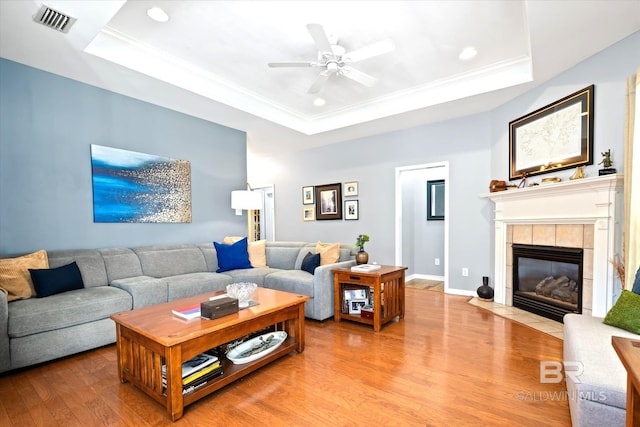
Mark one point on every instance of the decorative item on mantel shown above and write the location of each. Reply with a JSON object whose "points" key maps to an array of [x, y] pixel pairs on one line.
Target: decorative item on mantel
{"points": [[497, 185], [485, 292], [550, 180], [579, 174], [607, 163], [362, 257]]}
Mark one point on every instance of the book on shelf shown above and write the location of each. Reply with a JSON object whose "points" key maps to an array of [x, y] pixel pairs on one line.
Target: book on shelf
{"points": [[193, 365], [201, 373], [198, 383], [206, 377], [188, 313], [365, 268]]}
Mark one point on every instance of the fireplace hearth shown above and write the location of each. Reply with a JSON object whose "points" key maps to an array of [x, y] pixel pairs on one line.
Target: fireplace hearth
{"points": [[547, 280]]}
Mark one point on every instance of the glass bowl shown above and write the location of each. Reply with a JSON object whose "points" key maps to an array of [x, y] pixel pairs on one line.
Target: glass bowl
{"points": [[243, 292]]}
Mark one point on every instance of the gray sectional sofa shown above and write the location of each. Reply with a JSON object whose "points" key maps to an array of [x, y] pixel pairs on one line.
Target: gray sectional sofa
{"points": [[36, 330], [597, 396]]}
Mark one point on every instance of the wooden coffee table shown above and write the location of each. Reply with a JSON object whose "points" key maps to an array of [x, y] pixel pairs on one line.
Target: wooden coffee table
{"points": [[150, 336]]}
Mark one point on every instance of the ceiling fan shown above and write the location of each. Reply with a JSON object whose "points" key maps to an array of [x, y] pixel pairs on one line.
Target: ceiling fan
{"points": [[336, 61]]}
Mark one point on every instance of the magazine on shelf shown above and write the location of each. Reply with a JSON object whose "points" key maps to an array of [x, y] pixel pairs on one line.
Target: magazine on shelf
{"points": [[201, 373], [188, 313], [365, 268], [193, 365]]}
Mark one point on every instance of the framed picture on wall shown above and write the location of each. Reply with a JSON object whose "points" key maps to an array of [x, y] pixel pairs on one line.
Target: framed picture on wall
{"points": [[555, 137], [351, 209], [435, 200], [307, 195], [350, 189], [328, 201], [309, 213]]}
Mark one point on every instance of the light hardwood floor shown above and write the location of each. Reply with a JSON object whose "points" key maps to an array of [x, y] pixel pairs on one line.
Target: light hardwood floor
{"points": [[447, 363]]}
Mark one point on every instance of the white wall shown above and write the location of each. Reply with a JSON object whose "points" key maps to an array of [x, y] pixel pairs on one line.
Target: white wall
{"points": [[464, 143]]}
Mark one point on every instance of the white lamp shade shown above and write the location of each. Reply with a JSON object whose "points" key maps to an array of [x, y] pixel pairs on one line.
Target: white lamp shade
{"points": [[245, 200]]}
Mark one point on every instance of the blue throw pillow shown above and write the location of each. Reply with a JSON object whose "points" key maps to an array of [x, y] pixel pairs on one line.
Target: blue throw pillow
{"points": [[232, 257], [636, 283], [310, 262], [51, 281]]}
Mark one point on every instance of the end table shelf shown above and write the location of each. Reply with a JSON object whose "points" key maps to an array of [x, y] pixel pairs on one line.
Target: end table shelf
{"points": [[384, 286]]}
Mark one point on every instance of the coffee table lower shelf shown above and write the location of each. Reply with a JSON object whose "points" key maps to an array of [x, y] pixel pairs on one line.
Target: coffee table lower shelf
{"points": [[233, 372], [142, 351]]}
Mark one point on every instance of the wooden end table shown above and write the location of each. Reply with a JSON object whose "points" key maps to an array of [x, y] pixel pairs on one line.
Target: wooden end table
{"points": [[629, 353], [150, 336], [387, 285]]}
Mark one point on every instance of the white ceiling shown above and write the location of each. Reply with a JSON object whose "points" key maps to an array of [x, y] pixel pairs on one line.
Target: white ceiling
{"points": [[210, 59]]}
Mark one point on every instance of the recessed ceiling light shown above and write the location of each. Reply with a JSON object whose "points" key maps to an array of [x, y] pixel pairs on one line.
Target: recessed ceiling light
{"points": [[157, 14], [319, 102], [468, 53]]}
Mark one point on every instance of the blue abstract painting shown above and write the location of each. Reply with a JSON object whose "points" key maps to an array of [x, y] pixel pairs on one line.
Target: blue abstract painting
{"points": [[135, 187]]}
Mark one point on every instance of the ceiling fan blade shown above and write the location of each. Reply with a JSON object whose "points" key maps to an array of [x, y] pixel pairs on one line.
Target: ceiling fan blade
{"points": [[370, 51], [319, 37], [358, 76], [291, 64], [320, 82]]}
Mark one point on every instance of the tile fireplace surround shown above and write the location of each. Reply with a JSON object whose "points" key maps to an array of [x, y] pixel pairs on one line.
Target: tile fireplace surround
{"points": [[584, 213]]}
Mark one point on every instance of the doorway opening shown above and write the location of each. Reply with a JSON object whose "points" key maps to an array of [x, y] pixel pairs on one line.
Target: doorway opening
{"points": [[262, 223], [421, 244]]}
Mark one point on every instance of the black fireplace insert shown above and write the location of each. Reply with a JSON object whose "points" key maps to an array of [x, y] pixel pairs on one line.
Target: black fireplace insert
{"points": [[547, 280]]}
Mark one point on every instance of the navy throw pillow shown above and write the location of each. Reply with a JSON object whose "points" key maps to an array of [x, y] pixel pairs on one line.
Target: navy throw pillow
{"points": [[636, 283], [310, 262], [51, 281], [232, 257]]}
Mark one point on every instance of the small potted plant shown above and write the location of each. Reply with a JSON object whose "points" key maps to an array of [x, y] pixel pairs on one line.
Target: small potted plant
{"points": [[362, 257]]}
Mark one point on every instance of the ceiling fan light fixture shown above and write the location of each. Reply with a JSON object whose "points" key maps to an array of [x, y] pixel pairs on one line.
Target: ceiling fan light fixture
{"points": [[468, 53], [157, 14]]}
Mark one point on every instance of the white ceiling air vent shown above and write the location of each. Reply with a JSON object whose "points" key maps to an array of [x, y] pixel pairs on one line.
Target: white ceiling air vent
{"points": [[53, 19]]}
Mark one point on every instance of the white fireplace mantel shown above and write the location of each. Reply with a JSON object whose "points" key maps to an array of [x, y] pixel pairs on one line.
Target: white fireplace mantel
{"points": [[596, 201]]}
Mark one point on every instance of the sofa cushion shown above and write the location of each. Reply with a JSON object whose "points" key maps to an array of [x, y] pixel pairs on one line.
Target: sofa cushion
{"points": [[36, 315], [121, 263], [232, 257], [165, 261], [310, 262], [588, 341], [636, 283], [256, 250], [210, 255], [188, 285], [90, 263], [329, 252], [51, 281], [258, 253], [253, 275], [283, 255], [145, 290], [15, 280], [625, 314], [294, 281]]}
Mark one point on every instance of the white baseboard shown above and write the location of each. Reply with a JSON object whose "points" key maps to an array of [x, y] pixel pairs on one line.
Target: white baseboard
{"points": [[464, 292], [424, 277]]}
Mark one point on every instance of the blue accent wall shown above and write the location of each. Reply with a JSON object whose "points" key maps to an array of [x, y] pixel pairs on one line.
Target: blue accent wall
{"points": [[47, 124]]}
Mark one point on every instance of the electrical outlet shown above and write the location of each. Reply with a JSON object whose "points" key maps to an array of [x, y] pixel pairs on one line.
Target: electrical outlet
{"points": [[437, 261], [465, 272]]}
